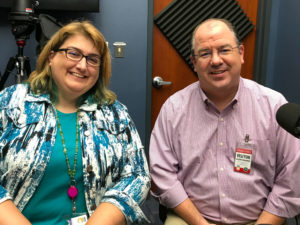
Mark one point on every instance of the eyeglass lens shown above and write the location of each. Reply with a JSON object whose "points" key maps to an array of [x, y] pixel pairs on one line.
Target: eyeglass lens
{"points": [[75, 55]]}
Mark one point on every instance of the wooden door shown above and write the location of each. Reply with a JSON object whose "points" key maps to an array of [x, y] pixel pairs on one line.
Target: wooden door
{"points": [[169, 65]]}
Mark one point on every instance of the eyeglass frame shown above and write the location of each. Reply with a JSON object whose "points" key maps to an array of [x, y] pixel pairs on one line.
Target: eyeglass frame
{"points": [[87, 57], [218, 52]]}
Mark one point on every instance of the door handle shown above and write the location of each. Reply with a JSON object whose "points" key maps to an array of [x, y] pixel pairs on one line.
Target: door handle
{"points": [[158, 82]]}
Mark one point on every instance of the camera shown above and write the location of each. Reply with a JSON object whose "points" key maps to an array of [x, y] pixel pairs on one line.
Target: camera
{"points": [[24, 21], [23, 18]]}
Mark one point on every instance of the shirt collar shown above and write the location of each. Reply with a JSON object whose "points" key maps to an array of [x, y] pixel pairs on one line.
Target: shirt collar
{"points": [[235, 100]]}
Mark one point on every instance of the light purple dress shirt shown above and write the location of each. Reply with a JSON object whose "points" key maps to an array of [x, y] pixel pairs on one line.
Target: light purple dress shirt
{"points": [[192, 153]]}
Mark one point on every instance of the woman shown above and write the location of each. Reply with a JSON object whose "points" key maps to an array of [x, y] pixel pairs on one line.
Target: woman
{"points": [[68, 149]]}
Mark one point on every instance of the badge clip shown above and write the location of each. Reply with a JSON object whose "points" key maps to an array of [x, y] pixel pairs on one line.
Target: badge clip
{"points": [[247, 138]]}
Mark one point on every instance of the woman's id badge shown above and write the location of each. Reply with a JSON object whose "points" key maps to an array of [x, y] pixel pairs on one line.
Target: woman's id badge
{"points": [[78, 220]]}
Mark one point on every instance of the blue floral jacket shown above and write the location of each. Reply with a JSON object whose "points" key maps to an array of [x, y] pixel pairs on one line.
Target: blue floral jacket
{"points": [[115, 168]]}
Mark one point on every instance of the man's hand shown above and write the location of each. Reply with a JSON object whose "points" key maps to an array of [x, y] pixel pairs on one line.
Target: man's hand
{"points": [[189, 213], [269, 218]]}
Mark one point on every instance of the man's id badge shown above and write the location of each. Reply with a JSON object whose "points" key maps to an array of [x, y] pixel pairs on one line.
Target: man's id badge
{"points": [[243, 157]]}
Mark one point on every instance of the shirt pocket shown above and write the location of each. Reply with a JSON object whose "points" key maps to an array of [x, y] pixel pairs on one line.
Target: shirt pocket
{"points": [[263, 155]]}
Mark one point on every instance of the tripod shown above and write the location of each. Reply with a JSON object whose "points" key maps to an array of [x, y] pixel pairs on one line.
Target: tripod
{"points": [[20, 62]]}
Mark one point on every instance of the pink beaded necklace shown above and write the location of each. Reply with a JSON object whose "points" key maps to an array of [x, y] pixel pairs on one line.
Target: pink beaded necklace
{"points": [[72, 191]]}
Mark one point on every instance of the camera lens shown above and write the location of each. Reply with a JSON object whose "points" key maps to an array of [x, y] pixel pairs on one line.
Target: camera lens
{"points": [[23, 6]]}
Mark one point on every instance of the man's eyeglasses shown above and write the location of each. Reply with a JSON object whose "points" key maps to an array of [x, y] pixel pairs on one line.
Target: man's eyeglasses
{"points": [[76, 55], [223, 51]]}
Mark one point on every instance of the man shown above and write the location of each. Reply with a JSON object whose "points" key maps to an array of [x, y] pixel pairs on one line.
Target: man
{"points": [[217, 154]]}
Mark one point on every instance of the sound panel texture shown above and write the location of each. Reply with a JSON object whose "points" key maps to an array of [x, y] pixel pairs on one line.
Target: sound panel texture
{"points": [[178, 20]]}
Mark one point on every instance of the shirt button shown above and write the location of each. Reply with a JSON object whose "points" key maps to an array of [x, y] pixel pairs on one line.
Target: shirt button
{"points": [[223, 195], [222, 169], [87, 133], [221, 144], [221, 119], [93, 207]]}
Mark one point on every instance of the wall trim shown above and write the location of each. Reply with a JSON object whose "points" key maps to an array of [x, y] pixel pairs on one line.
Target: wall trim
{"points": [[262, 41], [149, 77]]}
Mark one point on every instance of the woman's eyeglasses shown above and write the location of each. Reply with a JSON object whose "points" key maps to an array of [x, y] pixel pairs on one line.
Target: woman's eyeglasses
{"points": [[76, 55]]}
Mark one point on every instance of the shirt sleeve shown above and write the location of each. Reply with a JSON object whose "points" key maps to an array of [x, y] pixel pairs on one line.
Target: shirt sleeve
{"points": [[164, 162], [131, 190], [284, 199], [4, 195]]}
